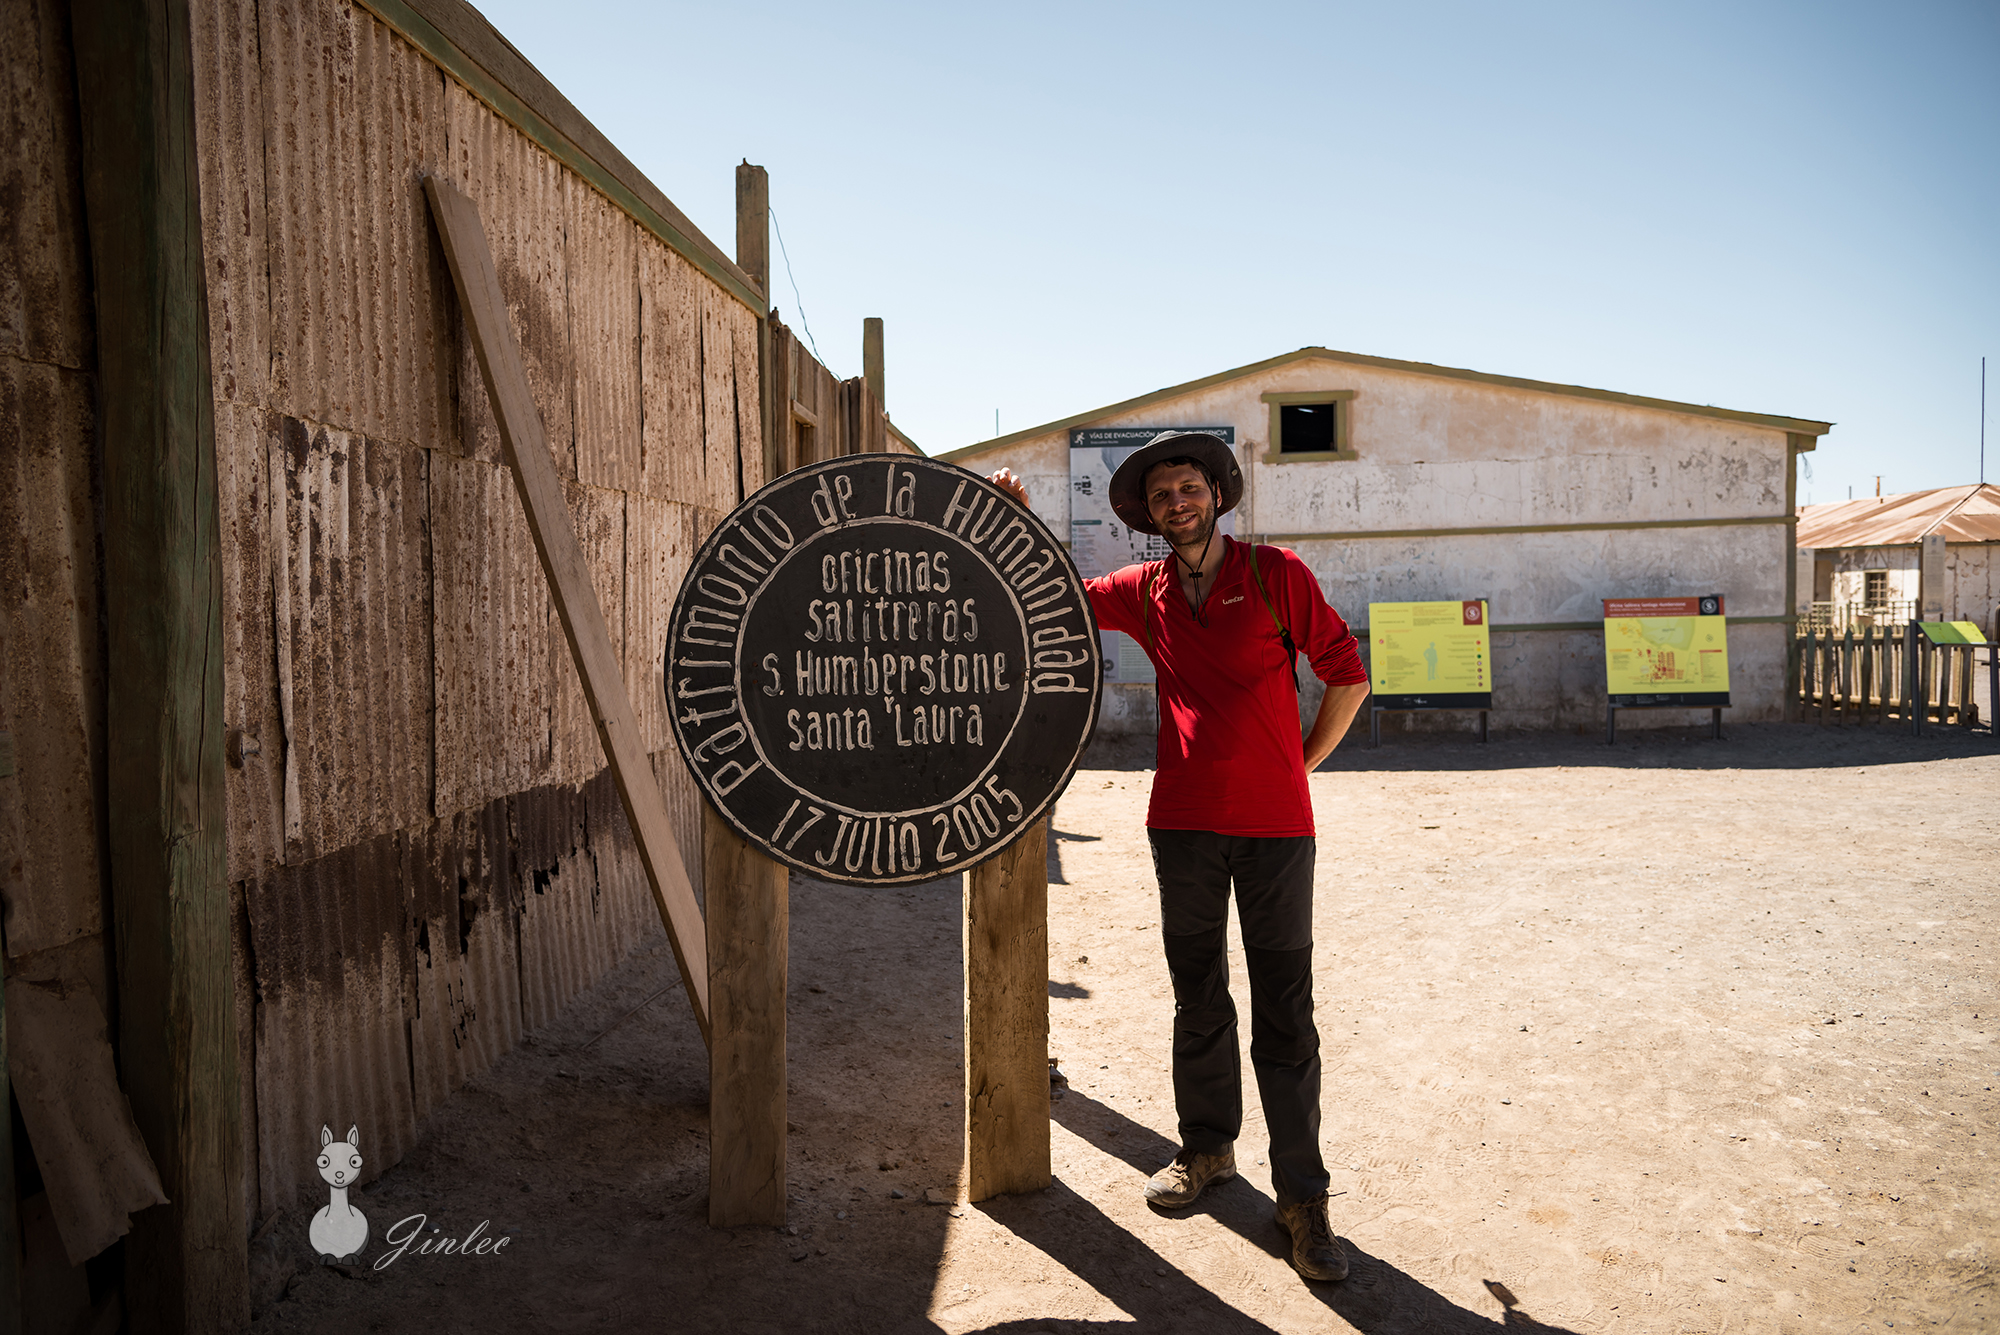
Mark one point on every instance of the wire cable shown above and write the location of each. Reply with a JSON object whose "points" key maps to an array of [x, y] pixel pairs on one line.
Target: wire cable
{"points": [[797, 300]]}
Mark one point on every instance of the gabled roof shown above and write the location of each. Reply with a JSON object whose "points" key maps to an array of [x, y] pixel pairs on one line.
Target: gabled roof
{"points": [[1797, 425], [1960, 514]]}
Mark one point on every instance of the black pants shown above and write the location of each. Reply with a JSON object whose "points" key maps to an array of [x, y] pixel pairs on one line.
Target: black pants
{"points": [[1274, 883]]}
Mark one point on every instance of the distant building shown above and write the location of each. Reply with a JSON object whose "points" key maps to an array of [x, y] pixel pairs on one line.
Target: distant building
{"points": [[1402, 481], [1926, 555]]}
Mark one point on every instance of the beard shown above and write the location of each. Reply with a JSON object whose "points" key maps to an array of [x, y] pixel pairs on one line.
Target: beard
{"points": [[1201, 534]]}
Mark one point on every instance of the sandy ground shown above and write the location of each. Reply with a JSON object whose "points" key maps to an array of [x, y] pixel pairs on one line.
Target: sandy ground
{"points": [[1681, 1036]]}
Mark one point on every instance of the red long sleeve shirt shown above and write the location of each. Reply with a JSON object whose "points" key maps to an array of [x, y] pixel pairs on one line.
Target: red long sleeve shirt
{"points": [[1230, 755]]}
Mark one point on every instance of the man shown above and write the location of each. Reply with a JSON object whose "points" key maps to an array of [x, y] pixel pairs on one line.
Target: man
{"points": [[1230, 805]]}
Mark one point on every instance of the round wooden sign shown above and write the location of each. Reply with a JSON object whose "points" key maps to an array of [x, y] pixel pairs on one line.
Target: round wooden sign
{"points": [[882, 669]]}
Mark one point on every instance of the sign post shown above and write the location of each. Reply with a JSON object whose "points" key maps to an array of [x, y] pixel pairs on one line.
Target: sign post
{"points": [[1665, 653], [1428, 656], [882, 670]]}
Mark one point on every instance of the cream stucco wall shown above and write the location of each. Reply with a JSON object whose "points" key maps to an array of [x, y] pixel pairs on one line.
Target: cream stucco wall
{"points": [[1441, 453]]}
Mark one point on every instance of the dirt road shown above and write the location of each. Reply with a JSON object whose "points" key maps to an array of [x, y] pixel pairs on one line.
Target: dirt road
{"points": [[1680, 1036]]}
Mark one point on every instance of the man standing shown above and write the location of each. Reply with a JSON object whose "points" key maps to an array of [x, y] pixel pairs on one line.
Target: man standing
{"points": [[1223, 623]]}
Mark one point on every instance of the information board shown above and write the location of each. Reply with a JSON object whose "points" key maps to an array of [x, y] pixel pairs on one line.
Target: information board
{"points": [[1666, 651], [881, 669], [1099, 543], [1952, 632], [1430, 655]]}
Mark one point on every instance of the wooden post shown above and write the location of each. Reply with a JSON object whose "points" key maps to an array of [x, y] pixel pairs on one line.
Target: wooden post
{"points": [[753, 225], [871, 357], [1007, 1019], [186, 1263], [525, 443], [748, 912]]}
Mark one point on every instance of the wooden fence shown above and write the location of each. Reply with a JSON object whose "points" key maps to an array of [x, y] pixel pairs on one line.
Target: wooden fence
{"points": [[1873, 674]]}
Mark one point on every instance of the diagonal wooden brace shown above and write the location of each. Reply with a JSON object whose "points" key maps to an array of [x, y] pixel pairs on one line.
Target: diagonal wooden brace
{"points": [[527, 450]]}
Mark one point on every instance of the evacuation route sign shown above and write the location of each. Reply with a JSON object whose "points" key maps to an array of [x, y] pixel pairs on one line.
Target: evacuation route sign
{"points": [[881, 669], [1430, 655], [1102, 544], [1666, 651]]}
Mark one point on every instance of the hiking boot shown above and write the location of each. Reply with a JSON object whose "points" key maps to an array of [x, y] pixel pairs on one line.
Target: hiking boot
{"points": [[1315, 1254], [1182, 1180]]}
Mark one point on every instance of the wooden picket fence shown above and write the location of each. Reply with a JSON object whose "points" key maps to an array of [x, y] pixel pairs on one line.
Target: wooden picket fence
{"points": [[1875, 674]]}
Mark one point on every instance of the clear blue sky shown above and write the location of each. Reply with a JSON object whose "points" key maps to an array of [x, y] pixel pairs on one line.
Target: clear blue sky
{"points": [[1784, 208]]}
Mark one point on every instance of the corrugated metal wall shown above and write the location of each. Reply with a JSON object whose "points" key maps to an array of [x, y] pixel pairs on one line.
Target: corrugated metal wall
{"points": [[429, 855]]}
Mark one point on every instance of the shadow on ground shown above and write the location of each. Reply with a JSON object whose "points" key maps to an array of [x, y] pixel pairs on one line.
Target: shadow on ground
{"points": [[1744, 746]]}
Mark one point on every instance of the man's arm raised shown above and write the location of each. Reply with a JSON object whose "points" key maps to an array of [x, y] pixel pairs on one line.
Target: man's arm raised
{"points": [[1010, 482]]}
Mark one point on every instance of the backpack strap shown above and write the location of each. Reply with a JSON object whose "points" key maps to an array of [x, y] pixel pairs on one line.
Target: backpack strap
{"points": [[1284, 631]]}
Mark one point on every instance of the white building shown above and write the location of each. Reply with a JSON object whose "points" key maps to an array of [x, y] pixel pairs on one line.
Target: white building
{"points": [[1891, 559], [1401, 481]]}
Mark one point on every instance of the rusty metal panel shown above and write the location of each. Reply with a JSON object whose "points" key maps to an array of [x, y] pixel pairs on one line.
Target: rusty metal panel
{"points": [[51, 657], [672, 458], [624, 898], [328, 943], [352, 637], [464, 909], [45, 301], [229, 145], [603, 257], [683, 799], [520, 192], [360, 301], [575, 916], [491, 619], [254, 734], [722, 484], [659, 544], [599, 517]]}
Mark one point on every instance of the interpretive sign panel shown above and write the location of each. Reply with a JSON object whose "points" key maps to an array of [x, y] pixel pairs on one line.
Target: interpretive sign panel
{"points": [[881, 669], [1101, 544], [1952, 632], [1430, 655], [1666, 651]]}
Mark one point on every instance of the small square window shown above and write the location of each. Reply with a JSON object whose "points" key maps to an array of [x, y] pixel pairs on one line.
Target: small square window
{"points": [[1308, 428], [1310, 425]]}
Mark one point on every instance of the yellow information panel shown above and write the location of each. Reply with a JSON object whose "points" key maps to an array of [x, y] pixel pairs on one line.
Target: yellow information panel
{"points": [[1430, 655], [1666, 651]]}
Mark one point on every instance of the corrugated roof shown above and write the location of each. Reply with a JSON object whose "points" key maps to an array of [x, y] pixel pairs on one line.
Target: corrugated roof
{"points": [[1961, 514], [1806, 428]]}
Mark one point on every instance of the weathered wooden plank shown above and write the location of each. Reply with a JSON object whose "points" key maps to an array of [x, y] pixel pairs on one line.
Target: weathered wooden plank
{"points": [[746, 377], [52, 680], [568, 574], [359, 309], [44, 282], [1007, 1020], [185, 1262], [748, 915], [603, 294]]}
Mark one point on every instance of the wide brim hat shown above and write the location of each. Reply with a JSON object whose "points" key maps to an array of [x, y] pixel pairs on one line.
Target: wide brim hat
{"points": [[1128, 483]]}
